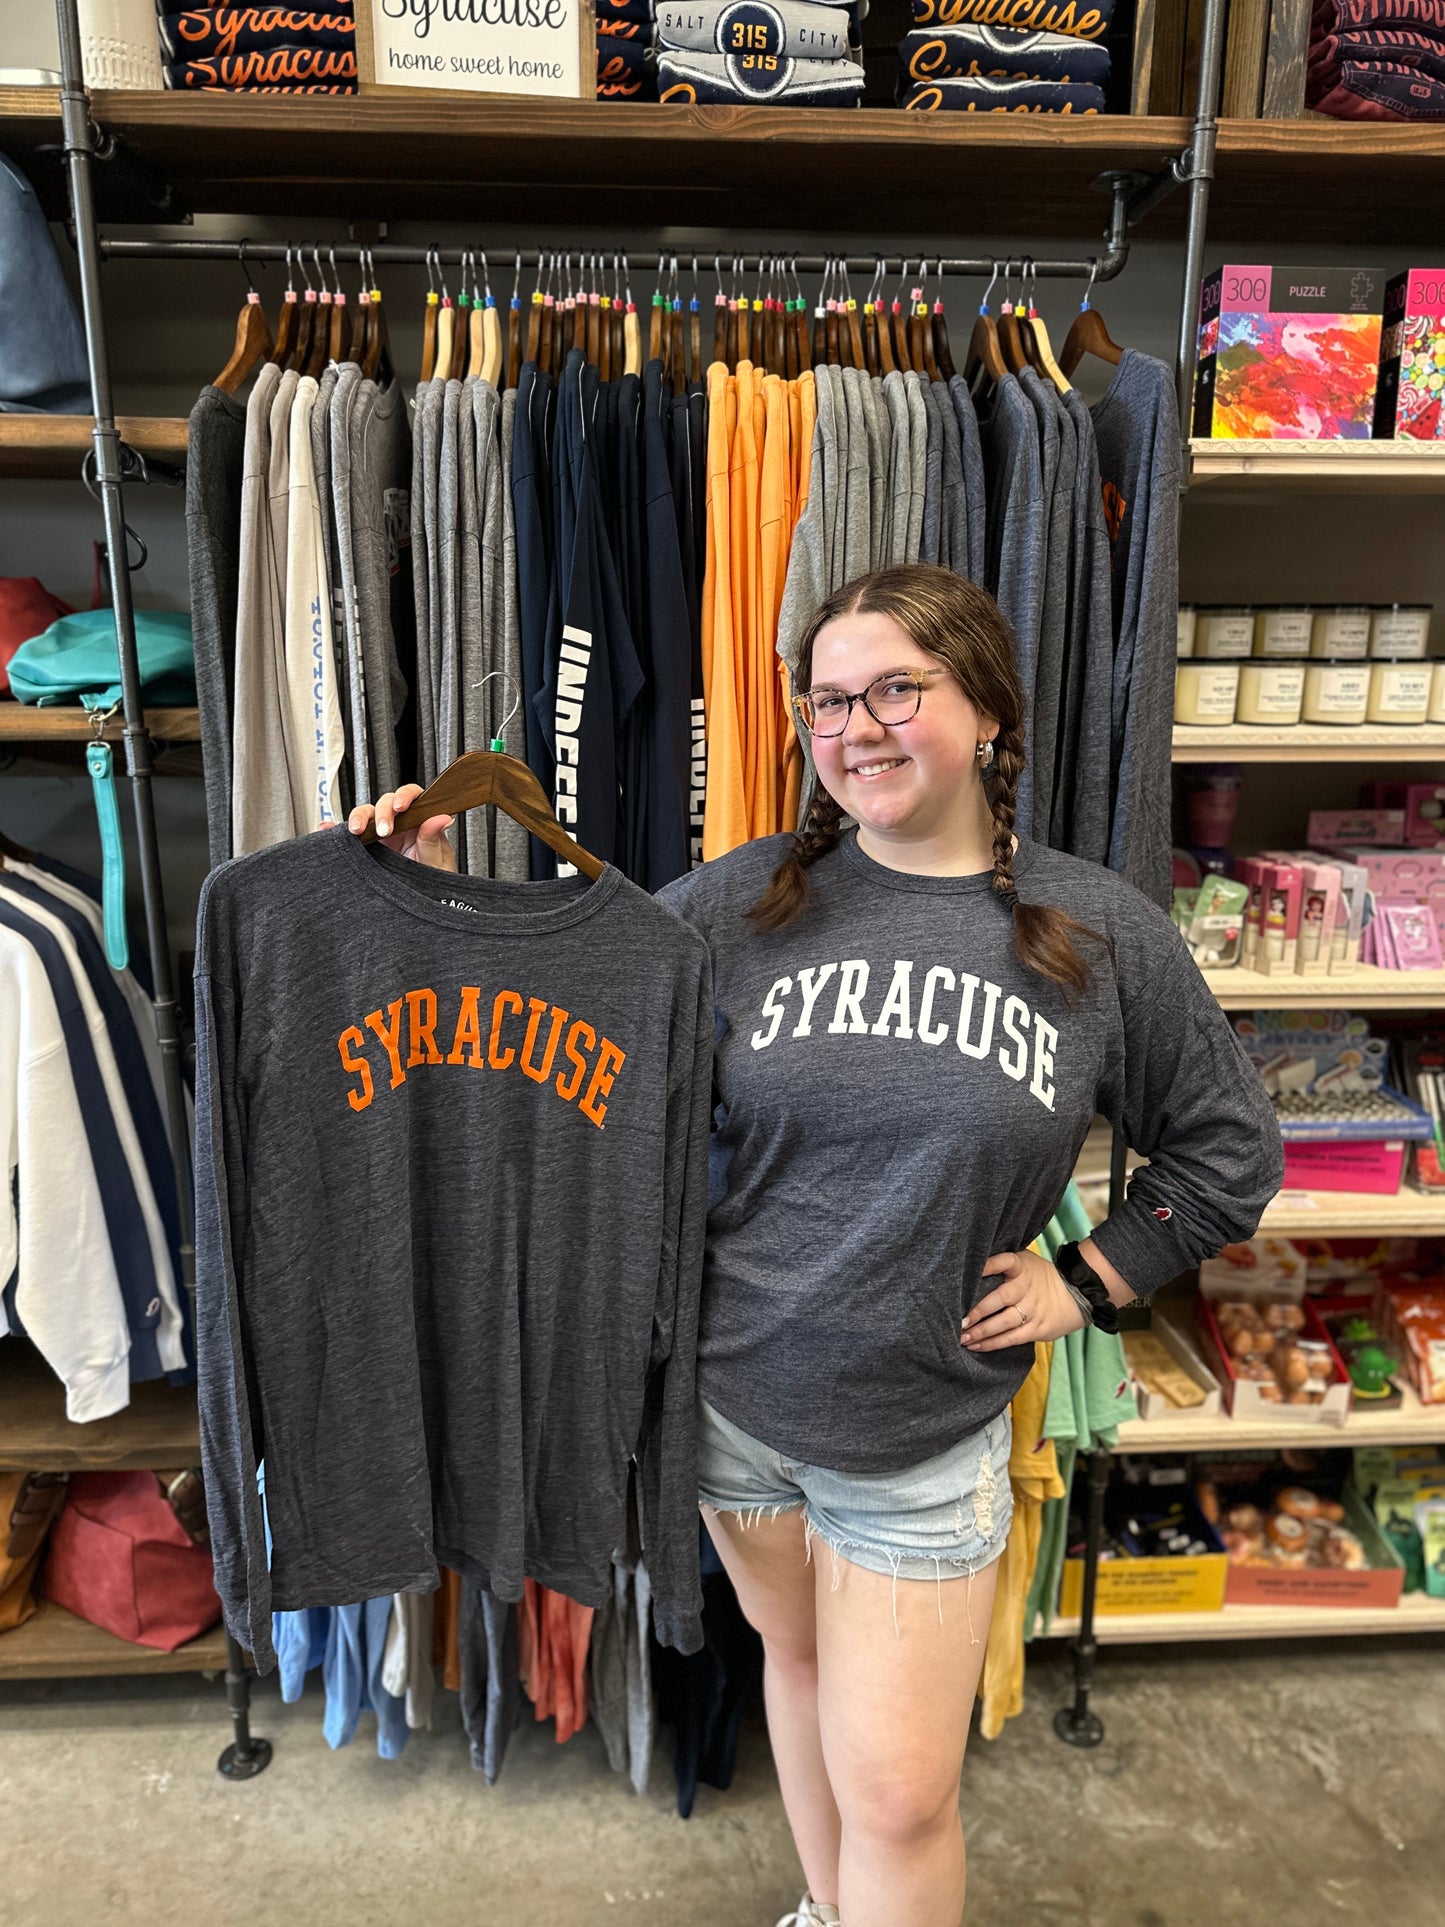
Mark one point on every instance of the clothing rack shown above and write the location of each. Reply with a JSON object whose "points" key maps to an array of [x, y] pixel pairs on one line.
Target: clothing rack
{"points": [[1132, 196]]}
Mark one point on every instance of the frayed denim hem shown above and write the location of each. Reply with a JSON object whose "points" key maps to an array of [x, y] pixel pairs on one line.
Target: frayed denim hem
{"points": [[840, 1549]]}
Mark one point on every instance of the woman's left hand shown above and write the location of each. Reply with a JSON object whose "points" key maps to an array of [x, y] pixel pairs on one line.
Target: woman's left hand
{"points": [[1030, 1305]]}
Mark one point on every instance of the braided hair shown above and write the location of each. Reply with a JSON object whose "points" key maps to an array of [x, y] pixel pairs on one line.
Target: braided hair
{"points": [[961, 627]]}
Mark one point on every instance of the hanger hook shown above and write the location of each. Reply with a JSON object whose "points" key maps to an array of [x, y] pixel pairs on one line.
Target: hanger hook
{"points": [[983, 305], [432, 264], [245, 267], [1089, 284], [320, 271], [301, 263], [499, 742]]}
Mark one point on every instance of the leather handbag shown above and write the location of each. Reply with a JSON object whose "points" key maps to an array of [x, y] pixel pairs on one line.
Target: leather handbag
{"points": [[121, 1557], [26, 609], [29, 1502], [75, 660]]}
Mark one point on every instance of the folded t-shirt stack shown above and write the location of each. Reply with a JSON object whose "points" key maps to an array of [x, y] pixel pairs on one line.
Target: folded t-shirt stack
{"points": [[1005, 57], [791, 53], [626, 50], [260, 50], [1377, 60]]}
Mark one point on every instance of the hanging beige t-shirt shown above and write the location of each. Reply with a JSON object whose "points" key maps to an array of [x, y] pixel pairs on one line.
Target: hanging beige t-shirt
{"points": [[261, 812], [316, 737]]}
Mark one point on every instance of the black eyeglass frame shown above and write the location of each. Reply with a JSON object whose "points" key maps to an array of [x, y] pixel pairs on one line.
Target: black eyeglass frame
{"points": [[918, 677]]}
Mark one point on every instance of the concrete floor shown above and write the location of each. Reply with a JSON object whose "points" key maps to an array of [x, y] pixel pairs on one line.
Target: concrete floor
{"points": [[1280, 1784]]}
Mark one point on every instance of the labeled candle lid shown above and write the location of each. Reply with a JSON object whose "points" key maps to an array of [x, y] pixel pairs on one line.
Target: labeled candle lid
{"points": [[1403, 608], [1224, 608]]}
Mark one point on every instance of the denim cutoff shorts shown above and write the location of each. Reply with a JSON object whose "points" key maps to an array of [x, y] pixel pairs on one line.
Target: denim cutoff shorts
{"points": [[945, 1519]]}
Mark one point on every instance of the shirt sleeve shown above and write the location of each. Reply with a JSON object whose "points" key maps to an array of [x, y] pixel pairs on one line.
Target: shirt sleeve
{"points": [[667, 1447], [1189, 1099], [231, 1442]]}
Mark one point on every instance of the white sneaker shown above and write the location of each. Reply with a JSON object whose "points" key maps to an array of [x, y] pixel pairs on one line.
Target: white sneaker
{"points": [[811, 1913]]}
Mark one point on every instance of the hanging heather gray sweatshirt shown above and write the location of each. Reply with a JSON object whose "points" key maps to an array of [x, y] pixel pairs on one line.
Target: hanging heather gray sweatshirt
{"points": [[451, 1182]]}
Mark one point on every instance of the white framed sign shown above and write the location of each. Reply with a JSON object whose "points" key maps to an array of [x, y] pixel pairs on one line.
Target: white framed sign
{"points": [[526, 47]]}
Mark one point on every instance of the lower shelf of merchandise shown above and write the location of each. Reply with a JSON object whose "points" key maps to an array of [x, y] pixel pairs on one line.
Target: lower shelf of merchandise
{"points": [[1408, 1423], [57, 1645], [1416, 1613]]}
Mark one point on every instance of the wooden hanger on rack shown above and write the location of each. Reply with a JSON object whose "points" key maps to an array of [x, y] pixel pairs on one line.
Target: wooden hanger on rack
{"points": [[305, 320], [514, 324], [253, 337], [1010, 334], [694, 330], [341, 346], [483, 776], [1089, 335], [288, 325], [1036, 337], [985, 352], [430, 319], [938, 327], [897, 321], [320, 324]]}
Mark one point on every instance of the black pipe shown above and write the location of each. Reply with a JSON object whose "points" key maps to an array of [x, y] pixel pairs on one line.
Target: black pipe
{"points": [[1200, 178], [78, 135]]}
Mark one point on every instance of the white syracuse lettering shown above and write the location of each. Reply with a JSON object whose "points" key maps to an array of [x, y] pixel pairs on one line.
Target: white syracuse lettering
{"points": [[573, 662]]}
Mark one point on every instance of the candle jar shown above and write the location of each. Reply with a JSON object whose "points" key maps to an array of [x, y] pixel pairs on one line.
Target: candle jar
{"points": [[1283, 631], [1222, 633], [1184, 636], [1205, 692], [1436, 711], [1341, 633], [1336, 692], [1399, 691], [1270, 691], [1400, 629]]}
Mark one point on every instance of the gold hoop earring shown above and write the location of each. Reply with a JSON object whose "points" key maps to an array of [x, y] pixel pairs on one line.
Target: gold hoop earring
{"points": [[984, 753]]}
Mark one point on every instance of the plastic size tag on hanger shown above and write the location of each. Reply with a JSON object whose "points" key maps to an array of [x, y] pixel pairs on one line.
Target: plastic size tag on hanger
{"points": [[100, 763]]}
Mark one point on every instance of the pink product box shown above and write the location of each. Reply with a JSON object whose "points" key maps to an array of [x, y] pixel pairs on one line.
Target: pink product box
{"points": [[1406, 876], [1423, 808], [1412, 358], [1380, 827], [1366, 1164]]}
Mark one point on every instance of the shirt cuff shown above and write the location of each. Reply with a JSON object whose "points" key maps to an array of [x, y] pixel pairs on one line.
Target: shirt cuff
{"points": [[1142, 1248]]}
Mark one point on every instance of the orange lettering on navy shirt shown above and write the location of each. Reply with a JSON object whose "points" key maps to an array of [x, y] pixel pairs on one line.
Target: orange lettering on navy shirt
{"points": [[467, 1039], [498, 1058], [421, 1019], [609, 1061], [389, 1035], [540, 1074], [358, 1066]]}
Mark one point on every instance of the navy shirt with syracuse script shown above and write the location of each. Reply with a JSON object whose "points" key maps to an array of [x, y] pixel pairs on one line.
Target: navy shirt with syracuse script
{"points": [[451, 1184], [898, 1098]]}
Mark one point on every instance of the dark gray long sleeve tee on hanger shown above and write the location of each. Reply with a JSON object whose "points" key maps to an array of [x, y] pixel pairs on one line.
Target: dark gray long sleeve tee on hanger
{"points": [[451, 1183], [1080, 817], [1018, 526], [899, 1098], [215, 463], [1136, 425]]}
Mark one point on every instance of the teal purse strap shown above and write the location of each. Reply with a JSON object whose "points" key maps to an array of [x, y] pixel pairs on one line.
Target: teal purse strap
{"points": [[100, 763]]}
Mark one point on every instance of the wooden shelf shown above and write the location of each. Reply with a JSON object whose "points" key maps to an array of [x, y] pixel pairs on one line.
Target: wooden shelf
{"points": [[1306, 743], [157, 1431], [1366, 988], [57, 1645], [1251, 469], [26, 723], [1355, 1214], [53, 447], [1416, 1613], [1409, 1423]]}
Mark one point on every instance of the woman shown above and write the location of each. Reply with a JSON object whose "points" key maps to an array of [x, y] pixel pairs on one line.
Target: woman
{"points": [[918, 1019]]}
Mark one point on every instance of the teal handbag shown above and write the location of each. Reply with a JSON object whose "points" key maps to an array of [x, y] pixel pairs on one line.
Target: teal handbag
{"points": [[76, 660]]}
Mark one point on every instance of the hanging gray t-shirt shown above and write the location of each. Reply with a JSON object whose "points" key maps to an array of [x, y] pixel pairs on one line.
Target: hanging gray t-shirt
{"points": [[1018, 515], [899, 1098], [215, 464], [451, 1184], [1136, 426], [974, 483], [1080, 817]]}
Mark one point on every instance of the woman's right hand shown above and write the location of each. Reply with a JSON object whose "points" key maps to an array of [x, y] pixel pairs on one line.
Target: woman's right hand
{"points": [[425, 845]]}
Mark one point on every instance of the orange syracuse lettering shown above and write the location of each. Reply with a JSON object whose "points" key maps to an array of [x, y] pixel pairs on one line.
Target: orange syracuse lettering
{"points": [[421, 1027], [358, 1067], [570, 1082], [609, 1062], [534, 1021], [467, 1038], [498, 1058], [389, 1035]]}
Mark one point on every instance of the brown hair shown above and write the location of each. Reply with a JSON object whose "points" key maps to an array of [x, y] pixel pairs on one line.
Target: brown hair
{"points": [[961, 627]]}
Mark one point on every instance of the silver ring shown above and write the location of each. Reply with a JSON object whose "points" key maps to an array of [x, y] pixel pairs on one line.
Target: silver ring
{"points": [[1023, 1317]]}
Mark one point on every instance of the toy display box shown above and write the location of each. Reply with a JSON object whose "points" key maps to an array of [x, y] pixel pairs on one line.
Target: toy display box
{"points": [[1289, 354], [1295, 1543], [1412, 358], [1161, 1555]]}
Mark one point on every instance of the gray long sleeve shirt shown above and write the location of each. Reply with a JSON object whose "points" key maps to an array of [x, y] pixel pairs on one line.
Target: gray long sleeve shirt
{"points": [[215, 463], [450, 1198], [899, 1098]]}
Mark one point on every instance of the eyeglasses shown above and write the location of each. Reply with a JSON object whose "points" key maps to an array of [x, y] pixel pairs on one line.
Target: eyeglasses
{"points": [[890, 700]]}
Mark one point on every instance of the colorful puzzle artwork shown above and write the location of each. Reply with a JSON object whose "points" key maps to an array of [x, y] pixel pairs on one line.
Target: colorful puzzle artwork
{"points": [[1412, 358], [1289, 354]]}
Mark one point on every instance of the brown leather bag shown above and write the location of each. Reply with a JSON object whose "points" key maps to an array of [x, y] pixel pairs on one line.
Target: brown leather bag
{"points": [[29, 1502]]}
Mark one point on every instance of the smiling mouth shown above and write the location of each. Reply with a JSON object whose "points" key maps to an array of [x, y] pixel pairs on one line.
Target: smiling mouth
{"points": [[868, 771]]}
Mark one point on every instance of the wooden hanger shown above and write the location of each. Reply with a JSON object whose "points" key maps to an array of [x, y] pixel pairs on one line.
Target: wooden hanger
{"points": [[719, 315], [288, 323], [854, 324], [342, 344], [493, 363], [985, 352], [897, 321], [1088, 335], [1041, 348], [942, 352], [378, 365], [621, 302], [430, 319], [320, 344], [446, 332], [253, 340], [920, 334], [16, 852], [514, 324], [483, 776], [1010, 335], [694, 330], [631, 337]]}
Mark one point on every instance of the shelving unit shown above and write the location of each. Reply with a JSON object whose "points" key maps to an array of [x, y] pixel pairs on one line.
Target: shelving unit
{"points": [[26, 723], [1314, 468], [1364, 988], [57, 1645], [1409, 1423], [53, 447], [1307, 743], [1416, 1613], [1355, 1214]]}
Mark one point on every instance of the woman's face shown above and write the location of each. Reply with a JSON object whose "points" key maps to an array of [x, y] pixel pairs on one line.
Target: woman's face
{"points": [[909, 778]]}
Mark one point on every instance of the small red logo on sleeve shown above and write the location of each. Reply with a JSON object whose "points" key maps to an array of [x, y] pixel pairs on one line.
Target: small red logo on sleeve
{"points": [[1163, 1213]]}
